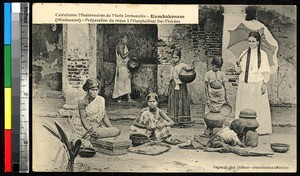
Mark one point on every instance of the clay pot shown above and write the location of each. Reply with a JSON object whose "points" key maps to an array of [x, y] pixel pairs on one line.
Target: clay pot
{"points": [[248, 116], [280, 147], [138, 139], [251, 139], [214, 120], [187, 76], [133, 64], [216, 85], [226, 109], [87, 152]]}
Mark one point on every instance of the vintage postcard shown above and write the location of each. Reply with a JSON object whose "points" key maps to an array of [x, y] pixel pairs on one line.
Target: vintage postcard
{"points": [[163, 88]]}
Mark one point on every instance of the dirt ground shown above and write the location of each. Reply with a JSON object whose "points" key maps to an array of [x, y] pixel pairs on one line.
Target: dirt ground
{"points": [[45, 146]]}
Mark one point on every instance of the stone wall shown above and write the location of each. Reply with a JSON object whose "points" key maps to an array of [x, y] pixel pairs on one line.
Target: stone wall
{"points": [[47, 54], [282, 88]]}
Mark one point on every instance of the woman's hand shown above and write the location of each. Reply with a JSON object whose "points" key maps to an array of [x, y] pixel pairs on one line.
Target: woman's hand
{"points": [[150, 127], [226, 100], [119, 132], [238, 63], [239, 143], [263, 88], [159, 126], [188, 68], [208, 103]]}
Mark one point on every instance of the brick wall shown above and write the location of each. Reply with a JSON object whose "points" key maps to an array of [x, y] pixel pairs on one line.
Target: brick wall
{"points": [[199, 44]]}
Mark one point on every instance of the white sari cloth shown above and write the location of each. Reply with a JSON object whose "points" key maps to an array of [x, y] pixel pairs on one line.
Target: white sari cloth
{"points": [[122, 84], [249, 94]]}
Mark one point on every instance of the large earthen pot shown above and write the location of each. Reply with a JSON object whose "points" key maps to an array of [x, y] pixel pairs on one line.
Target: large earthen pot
{"points": [[214, 120], [133, 64], [187, 75], [251, 139], [248, 116]]}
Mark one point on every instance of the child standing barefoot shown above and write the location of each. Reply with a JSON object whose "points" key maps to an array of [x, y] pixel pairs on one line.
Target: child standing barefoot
{"points": [[215, 89]]}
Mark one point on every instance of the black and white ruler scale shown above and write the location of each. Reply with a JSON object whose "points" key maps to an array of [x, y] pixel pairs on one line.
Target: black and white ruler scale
{"points": [[20, 85]]}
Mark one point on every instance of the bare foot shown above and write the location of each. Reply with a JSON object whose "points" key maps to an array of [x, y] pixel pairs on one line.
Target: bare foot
{"points": [[120, 101], [131, 101]]}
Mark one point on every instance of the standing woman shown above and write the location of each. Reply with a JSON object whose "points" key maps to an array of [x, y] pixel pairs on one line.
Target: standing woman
{"points": [[178, 97], [122, 84], [252, 89]]}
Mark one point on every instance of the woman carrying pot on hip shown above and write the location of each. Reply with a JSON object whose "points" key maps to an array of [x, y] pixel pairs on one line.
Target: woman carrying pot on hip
{"points": [[252, 88], [178, 97]]}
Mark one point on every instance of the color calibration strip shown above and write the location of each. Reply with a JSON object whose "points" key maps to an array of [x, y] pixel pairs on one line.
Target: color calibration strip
{"points": [[16, 82], [8, 90]]}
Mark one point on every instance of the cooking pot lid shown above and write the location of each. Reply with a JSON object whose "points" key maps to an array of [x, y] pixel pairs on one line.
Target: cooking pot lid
{"points": [[226, 109], [248, 113]]}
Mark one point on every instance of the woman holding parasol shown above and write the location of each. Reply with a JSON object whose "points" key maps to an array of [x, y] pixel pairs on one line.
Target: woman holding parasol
{"points": [[254, 69]]}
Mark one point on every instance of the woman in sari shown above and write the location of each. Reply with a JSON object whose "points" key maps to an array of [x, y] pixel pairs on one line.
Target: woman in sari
{"points": [[92, 115], [122, 85], [152, 121]]}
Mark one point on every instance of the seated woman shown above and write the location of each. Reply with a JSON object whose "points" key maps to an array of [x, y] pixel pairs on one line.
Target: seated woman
{"points": [[152, 122], [93, 119]]}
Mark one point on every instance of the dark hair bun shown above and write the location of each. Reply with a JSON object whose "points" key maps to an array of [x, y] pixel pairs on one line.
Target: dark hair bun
{"points": [[90, 83]]}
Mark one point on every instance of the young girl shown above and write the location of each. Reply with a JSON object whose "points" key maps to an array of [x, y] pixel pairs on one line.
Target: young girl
{"points": [[152, 121], [215, 89], [252, 93], [178, 100]]}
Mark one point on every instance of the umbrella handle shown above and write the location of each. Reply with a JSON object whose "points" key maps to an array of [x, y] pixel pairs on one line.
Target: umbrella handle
{"points": [[240, 59]]}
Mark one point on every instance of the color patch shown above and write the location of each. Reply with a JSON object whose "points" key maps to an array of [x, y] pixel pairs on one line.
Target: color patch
{"points": [[7, 95], [7, 23], [7, 151]]}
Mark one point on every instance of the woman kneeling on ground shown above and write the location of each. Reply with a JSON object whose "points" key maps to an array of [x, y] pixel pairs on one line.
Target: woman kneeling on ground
{"points": [[93, 120]]}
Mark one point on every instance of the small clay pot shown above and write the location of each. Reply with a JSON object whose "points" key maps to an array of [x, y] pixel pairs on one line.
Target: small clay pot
{"points": [[216, 85], [133, 64], [187, 76], [214, 120], [87, 152], [248, 116], [280, 147], [138, 139]]}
